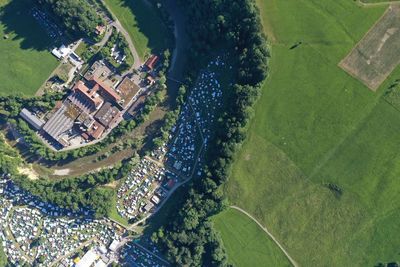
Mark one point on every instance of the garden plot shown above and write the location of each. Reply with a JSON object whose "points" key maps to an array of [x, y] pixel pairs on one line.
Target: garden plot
{"points": [[378, 53], [195, 124]]}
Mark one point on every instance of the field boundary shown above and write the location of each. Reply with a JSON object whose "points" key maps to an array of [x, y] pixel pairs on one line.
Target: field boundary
{"points": [[363, 4], [342, 64], [292, 261]]}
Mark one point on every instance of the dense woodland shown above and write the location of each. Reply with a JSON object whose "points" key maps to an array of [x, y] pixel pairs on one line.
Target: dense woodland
{"points": [[234, 27], [77, 16]]}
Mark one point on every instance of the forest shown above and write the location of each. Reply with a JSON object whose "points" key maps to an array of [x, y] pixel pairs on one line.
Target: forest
{"points": [[234, 27]]}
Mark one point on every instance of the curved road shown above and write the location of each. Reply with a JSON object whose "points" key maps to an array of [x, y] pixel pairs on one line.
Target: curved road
{"points": [[117, 24], [292, 261]]}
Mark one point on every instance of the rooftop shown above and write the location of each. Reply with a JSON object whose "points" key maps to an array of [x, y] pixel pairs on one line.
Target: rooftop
{"points": [[127, 90], [107, 115]]}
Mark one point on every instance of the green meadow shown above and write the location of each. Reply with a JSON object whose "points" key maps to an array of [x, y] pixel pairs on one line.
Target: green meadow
{"points": [[321, 165], [146, 29], [246, 243], [25, 60]]}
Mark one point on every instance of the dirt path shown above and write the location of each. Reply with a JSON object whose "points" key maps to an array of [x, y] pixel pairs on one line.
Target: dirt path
{"points": [[361, 3], [292, 261]]}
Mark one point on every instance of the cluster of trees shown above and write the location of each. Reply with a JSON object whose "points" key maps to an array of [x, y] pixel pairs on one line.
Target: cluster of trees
{"points": [[80, 192], [234, 26], [11, 106], [117, 40], [9, 158], [77, 16], [189, 239], [170, 119], [150, 104], [390, 264]]}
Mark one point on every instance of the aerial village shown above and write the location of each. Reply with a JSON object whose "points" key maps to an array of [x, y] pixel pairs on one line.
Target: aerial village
{"points": [[98, 98], [96, 104], [155, 177], [34, 229]]}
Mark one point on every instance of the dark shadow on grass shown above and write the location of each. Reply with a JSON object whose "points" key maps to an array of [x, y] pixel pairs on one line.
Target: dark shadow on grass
{"points": [[20, 25], [150, 25]]}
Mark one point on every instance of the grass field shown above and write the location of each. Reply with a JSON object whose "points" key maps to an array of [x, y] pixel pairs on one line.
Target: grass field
{"points": [[147, 31], [320, 166], [25, 60], [378, 53], [245, 241]]}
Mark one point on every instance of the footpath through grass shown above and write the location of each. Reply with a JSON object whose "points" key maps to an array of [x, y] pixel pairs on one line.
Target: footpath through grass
{"points": [[320, 166], [246, 243], [146, 29], [25, 60]]}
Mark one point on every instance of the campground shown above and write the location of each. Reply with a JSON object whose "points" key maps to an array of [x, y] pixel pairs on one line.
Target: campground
{"points": [[320, 164]]}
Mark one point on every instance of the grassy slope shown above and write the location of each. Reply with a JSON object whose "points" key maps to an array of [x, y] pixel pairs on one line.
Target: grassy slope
{"points": [[315, 124], [245, 241], [25, 61], [143, 24]]}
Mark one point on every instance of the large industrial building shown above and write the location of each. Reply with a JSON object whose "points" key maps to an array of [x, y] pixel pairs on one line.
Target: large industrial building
{"points": [[94, 106]]}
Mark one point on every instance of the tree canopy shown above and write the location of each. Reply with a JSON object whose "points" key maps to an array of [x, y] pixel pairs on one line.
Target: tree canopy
{"points": [[77, 16]]}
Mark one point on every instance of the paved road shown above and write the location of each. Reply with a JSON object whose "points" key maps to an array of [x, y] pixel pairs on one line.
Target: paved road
{"points": [[105, 38], [117, 24], [292, 261]]}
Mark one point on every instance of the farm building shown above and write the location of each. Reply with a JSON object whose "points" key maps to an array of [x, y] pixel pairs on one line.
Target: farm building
{"points": [[151, 62]]}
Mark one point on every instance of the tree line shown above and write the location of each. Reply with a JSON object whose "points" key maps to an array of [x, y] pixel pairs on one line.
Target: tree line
{"points": [[234, 27], [78, 17], [83, 192]]}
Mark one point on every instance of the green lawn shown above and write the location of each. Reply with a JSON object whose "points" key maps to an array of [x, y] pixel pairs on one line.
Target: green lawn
{"points": [[246, 243], [115, 215], [82, 47], [315, 125], [25, 60], [146, 29]]}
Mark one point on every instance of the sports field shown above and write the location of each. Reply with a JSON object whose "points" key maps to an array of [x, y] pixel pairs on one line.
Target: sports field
{"points": [[25, 60], [245, 241], [148, 32], [321, 163], [378, 53]]}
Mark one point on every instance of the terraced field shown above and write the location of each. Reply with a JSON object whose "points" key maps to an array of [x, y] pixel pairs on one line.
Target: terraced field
{"points": [[321, 163]]}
